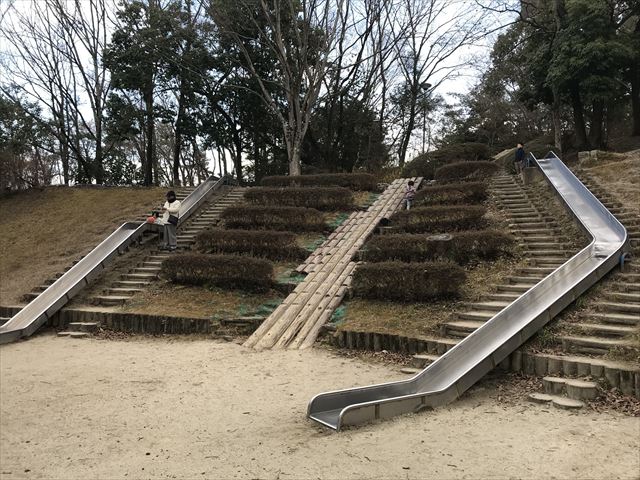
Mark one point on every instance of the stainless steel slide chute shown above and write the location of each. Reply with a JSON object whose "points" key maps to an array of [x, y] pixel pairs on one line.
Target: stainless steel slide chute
{"points": [[37, 312], [453, 373]]}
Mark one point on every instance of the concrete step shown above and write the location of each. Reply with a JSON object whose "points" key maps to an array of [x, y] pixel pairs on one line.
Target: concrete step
{"points": [[556, 400], [139, 284], [74, 334], [603, 330], [615, 318], [503, 297], [592, 345], [534, 232], [124, 291], [519, 288], [541, 245], [536, 270], [571, 387], [529, 219], [152, 263], [549, 261], [623, 297], [530, 279], [155, 270], [481, 316], [460, 328], [628, 286], [4, 320], [532, 225], [423, 360], [111, 300], [618, 307], [553, 253], [491, 306], [139, 276], [89, 327]]}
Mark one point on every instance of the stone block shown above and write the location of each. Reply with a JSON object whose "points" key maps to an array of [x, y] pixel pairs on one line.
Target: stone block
{"points": [[627, 381], [613, 376], [596, 371], [540, 366], [554, 366], [516, 361]]}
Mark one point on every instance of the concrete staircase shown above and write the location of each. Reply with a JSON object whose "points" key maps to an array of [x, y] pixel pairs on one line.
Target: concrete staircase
{"points": [[566, 393], [138, 278], [539, 235]]}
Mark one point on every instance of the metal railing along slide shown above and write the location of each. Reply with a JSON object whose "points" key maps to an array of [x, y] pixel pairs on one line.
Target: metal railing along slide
{"points": [[37, 312], [457, 370]]}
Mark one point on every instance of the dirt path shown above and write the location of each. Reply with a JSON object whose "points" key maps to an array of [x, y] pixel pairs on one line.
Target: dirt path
{"points": [[156, 408]]}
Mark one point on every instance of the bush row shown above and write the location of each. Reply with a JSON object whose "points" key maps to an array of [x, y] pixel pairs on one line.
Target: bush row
{"points": [[452, 194], [465, 171], [354, 181], [258, 243], [408, 282], [228, 271], [439, 219], [297, 219], [459, 247], [322, 198], [425, 165]]}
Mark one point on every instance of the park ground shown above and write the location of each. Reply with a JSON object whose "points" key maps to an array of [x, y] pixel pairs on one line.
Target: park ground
{"points": [[191, 407]]}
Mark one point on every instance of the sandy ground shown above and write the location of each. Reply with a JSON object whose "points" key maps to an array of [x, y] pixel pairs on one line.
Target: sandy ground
{"points": [[195, 408]]}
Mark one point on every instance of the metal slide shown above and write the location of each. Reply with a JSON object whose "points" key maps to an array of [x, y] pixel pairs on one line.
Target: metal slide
{"points": [[38, 311], [449, 376]]}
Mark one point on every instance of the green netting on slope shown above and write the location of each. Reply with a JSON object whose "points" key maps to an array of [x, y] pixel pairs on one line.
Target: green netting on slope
{"points": [[337, 318]]}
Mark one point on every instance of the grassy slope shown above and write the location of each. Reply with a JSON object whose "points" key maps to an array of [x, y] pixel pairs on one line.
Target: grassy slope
{"points": [[44, 230]]}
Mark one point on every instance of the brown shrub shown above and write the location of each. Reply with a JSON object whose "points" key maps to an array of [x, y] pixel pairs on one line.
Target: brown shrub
{"points": [[354, 181], [322, 198], [440, 219], [297, 219], [408, 282], [465, 171], [452, 194], [258, 243], [459, 247], [225, 271]]}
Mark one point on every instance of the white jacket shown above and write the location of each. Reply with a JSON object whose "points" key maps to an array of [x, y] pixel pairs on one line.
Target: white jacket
{"points": [[172, 208]]}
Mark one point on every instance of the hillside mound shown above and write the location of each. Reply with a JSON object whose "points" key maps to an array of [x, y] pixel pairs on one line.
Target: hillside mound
{"points": [[43, 230]]}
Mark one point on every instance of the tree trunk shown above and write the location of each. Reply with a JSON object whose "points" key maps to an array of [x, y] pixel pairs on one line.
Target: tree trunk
{"points": [[177, 148], [578, 119], [150, 134], [635, 97], [595, 132], [294, 159], [406, 137]]}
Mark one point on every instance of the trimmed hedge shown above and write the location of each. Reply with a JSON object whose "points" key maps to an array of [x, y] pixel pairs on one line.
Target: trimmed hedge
{"points": [[322, 198], [465, 170], [439, 219], [425, 164], [258, 243], [459, 247], [354, 181], [452, 194], [408, 282], [226, 271], [297, 219]]}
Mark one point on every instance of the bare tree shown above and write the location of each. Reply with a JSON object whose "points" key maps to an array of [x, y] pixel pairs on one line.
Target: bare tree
{"points": [[429, 42], [84, 29], [301, 35]]}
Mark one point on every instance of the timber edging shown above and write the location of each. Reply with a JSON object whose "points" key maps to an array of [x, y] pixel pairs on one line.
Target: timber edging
{"points": [[143, 323], [625, 377]]}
